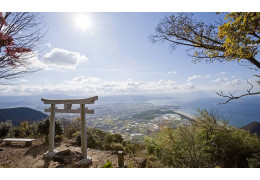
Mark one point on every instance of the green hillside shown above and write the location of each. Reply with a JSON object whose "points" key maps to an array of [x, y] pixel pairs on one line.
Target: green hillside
{"points": [[20, 114]]}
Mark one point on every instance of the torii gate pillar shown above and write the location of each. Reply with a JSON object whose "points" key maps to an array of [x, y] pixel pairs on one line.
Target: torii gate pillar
{"points": [[87, 160], [67, 109], [51, 152], [83, 131]]}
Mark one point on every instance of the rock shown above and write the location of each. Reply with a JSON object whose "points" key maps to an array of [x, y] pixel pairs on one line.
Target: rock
{"points": [[141, 162], [67, 157], [85, 162], [73, 141], [60, 166]]}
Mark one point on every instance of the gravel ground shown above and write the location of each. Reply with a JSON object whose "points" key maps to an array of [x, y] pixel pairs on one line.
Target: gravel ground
{"points": [[20, 156]]}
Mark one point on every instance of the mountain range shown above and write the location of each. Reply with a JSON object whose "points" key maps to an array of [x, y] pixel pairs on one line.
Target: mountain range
{"points": [[17, 115]]}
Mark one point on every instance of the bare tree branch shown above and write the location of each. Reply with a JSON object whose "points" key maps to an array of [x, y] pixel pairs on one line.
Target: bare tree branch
{"points": [[21, 37], [231, 96], [238, 40]]}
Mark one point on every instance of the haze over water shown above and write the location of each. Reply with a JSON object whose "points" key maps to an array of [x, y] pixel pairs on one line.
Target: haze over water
{"points": [[239, 112]]}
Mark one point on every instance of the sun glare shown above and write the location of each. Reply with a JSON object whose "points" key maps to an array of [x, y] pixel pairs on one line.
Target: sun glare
{"points": [[83, 22]]}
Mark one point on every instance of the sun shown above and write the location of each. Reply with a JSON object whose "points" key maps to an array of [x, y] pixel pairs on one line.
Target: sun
{"points": [[83, 22]]}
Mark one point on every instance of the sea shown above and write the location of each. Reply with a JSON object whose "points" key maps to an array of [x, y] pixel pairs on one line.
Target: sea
{"points": [[239, 112]]}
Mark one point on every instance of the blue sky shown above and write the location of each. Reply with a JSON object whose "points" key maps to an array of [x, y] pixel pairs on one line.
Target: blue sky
{"points": [[111, 54]]}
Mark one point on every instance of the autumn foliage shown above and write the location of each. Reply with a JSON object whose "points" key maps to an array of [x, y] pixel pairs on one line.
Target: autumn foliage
{"points": [[7, 42], [20, 36]]}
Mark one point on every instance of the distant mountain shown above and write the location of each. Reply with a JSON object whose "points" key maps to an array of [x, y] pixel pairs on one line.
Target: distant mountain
{"points": [[28, 101], [35, 100], [128, 99], [20, 114], [253, 127]]}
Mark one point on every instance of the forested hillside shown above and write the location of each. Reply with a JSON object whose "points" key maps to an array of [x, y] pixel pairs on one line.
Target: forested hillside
{"points": [[253, 127], [20, 114]]}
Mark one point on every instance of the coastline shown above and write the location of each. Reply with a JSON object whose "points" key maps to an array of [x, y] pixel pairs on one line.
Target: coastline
{"points": [[186, 115]]}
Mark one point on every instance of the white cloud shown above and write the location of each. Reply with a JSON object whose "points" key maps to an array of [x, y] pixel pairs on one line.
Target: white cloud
{"points": [[61, 58], [56, 59], [48, 44], [172, 72], [234, 82], [188, 85], [190, 78], [221, 73], [96, 86], [23, 80], [194, 77], [220, 80], [82, 79]]}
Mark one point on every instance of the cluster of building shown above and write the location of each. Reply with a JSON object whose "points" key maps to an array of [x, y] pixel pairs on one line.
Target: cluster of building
{"points": [[118, 118]]}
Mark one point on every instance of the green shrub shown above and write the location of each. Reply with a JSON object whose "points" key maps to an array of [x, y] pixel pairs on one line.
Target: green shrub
{"points": [[108, 164], [116, 138], [254, 161], [117, 146], [134, 148], [77, 137], [98, 139], [207, 142], [76, 134], [25, 129], [17, 132], [5, 128], [33, 129], [43, 127], [72, 128], [95, 138]]}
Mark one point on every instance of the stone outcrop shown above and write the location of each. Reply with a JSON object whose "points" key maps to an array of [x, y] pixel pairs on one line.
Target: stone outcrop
{"points": [[67, 157]]}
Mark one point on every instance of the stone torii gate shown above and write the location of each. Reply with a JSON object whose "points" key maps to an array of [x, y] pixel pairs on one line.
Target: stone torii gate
{"points": [[67, 109]]}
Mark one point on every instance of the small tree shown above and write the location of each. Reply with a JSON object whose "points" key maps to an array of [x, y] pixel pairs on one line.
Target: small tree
{"points": [[72, 128], [116, 138], [5, 127], [16, 131], [43, 127], [25, 131]]}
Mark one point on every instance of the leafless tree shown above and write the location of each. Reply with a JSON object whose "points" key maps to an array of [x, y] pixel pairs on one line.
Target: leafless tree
{"points": [[21, 35]]}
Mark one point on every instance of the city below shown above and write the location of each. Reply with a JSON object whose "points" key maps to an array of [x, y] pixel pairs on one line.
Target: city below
{"points": [[132, 121]]}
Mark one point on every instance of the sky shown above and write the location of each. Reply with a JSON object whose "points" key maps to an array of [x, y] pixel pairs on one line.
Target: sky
{"points": [[110, 54]]}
